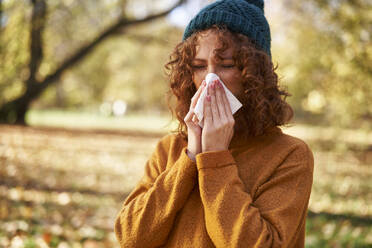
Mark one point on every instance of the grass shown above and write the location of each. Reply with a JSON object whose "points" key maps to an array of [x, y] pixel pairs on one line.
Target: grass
{"points": [[88, 120], [163, 123]]}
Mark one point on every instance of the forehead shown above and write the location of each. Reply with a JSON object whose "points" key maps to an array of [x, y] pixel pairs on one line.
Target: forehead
{"points": [[208, 41]]}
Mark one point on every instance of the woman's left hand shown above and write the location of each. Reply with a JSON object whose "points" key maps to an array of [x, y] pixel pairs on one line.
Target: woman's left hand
{"points": [[218, 128]]}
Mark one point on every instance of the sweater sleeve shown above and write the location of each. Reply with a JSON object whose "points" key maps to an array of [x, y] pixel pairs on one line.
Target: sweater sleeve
{"points": [[148, 213], [272, 219]]}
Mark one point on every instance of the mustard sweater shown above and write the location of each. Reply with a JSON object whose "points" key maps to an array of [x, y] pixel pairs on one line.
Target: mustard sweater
{"points": [[255, 194]]}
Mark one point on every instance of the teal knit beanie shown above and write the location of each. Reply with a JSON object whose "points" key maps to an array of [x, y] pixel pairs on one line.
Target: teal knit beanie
{"points": [[242, 16]]}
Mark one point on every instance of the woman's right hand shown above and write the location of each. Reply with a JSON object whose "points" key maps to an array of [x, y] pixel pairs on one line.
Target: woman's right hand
{"points": [[194, 131]]}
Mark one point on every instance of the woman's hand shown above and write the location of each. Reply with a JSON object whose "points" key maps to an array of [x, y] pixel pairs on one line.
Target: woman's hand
{"points": [[193, 128], [219, 123]]}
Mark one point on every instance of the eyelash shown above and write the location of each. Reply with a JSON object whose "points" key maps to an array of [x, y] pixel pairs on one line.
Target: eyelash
{"points": [[197, 67]]}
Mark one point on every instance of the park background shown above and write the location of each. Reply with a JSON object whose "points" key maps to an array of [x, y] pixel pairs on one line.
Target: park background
{"points": [[83, 104]]}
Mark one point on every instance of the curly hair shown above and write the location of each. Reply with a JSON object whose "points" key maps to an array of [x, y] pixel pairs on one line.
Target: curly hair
{"points": [[263, 106]]}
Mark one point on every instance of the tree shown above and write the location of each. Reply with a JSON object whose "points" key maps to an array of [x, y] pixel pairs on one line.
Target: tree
{"points": [[14, 110], [331, 60]]}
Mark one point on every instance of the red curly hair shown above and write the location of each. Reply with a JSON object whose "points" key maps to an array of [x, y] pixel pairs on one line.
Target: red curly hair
{"points": [[263, 106]]}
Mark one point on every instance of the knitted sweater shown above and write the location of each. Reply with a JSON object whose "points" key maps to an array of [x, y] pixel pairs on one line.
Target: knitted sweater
{"points": [[255, 194]]}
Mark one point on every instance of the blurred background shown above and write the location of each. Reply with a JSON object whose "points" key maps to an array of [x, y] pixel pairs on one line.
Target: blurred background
{"points": [[82, 106]]}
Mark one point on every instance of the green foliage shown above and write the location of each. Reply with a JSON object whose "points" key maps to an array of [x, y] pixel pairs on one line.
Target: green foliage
{"points": [[137, 68], [127, 67], [331, 60], [13, 51]]}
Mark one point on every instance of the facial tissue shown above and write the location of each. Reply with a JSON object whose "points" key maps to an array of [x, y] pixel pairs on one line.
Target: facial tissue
{"points": [[235, 104]]}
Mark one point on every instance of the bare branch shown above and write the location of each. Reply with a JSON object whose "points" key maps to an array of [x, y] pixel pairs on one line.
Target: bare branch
{"points": [[113, 30]]}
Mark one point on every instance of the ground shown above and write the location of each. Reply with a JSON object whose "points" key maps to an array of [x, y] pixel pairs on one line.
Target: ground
{"points": [[63, 187]]}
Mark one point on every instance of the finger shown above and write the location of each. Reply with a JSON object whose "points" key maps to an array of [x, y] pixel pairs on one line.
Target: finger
{"points": [[191, 115], [215, 114], [207, 111], [195, 98], [195, 119], [188, 116], [228, 110], [191, 119], [229, 116], [220, 101]]}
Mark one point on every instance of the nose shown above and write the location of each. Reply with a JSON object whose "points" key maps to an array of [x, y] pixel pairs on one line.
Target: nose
{"points": [[211, 69]]}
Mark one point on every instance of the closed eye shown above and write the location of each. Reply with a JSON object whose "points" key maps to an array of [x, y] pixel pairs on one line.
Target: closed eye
{"points": [[228, 66], [202, 66], [197, 66]]}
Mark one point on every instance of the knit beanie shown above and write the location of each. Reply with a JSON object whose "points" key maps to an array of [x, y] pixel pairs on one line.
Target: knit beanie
{"points": [[242, 16]]}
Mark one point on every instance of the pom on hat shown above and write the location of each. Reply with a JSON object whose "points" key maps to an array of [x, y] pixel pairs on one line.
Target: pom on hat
{"points": [[257, 3]]}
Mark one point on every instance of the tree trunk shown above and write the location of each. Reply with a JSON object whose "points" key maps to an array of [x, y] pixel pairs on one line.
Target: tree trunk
{"points": [[14, 112]]}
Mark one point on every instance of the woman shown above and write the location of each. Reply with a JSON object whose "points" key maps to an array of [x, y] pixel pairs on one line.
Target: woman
{"points": [[238, 181]]}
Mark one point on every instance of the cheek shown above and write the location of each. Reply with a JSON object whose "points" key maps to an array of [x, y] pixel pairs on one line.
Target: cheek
{"points": [[197, 79], [233, 82]]}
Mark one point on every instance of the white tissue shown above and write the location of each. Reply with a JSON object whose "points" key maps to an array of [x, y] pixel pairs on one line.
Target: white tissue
{"points": [[199, 108]]}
